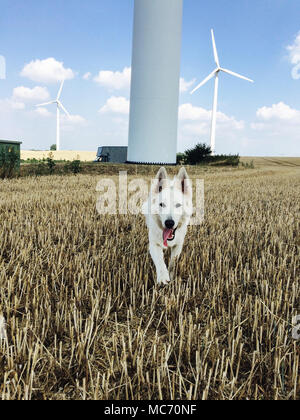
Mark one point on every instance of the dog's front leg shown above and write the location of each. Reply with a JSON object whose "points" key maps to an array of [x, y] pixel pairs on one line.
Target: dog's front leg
{"points": [[157, 255], [175, 252]]}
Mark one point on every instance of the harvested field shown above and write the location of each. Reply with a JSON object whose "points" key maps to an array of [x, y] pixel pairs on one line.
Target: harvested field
{"points": [[85, 319], [272, 161], [59, 155]]}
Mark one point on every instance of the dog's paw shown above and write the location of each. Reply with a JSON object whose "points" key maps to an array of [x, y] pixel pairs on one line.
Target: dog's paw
{"points": [[163, 278]]}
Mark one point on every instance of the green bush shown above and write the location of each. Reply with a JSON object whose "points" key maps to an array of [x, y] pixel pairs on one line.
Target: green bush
{"points": [[180, 159], [233, 160], [74, 167], [51, 165], [41, 169], [198, 154], [224, 160], [248, 165], [9, 162], [201, 154]]}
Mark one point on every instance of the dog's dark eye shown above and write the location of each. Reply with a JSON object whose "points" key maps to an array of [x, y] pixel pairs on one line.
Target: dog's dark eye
{"points": [[178, 205], [162, 205]]}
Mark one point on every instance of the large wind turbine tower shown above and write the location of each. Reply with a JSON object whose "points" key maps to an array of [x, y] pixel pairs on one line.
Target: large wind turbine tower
{"points": [[155, 81]]}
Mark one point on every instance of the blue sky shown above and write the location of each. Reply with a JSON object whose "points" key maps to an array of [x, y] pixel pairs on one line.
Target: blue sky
{"points": [[90, 44]]}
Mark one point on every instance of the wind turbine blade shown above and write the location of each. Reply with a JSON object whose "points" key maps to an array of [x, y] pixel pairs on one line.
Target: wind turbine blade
{"points": [[60, 90], [215, 49], [63, 108], [237, 75], [47, 103], [205, 81]]}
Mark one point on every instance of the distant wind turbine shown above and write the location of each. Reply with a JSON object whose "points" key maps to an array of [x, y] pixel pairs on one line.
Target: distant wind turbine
{"points": [[59, 105], [215, 104]]}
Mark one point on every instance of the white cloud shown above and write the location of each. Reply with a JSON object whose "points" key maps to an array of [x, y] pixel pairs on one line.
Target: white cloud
{"points": [[258, 126], [197, 129], [195, 126], [294, 50], [26, 94], [188, 112], [193, 113], [185, 85], [296, 72], [47, 71], [11, 104], [116, 105], [279, 111], [43, 112], [70, 122], [67, 121], [294, 57], [279, 128], [17, 105], [74, 119], [114, 80], [87, 76]]}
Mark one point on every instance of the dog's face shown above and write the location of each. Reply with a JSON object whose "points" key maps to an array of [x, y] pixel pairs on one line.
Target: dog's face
{"points": [[171, 201]]}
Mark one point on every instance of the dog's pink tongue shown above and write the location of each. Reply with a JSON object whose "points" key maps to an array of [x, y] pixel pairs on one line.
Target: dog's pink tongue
{"points": [[167, 234]]}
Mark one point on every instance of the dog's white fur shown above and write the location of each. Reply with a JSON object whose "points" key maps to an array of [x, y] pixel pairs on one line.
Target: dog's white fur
{"points": [[168, 200], [3, 333]]}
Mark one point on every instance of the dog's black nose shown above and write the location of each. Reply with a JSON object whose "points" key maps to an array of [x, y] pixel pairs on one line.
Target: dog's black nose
{"points": [[169, 224]]}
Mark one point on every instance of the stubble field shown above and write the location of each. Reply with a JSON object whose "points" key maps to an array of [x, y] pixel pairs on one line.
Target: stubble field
{"points": [[85, 319]]}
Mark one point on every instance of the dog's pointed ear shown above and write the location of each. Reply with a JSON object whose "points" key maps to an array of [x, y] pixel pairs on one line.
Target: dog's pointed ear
{"points": [[160, 180], [183, 182]]}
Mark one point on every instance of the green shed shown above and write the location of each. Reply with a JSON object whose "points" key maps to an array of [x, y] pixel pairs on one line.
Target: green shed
{"points": [[8, 146]]}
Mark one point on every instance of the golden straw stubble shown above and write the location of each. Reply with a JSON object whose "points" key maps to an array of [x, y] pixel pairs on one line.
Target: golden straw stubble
{"points": [[85, 319]]}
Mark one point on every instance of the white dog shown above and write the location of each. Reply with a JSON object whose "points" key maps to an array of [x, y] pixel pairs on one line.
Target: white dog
{"points": [[3, 333], [168, 212]]}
